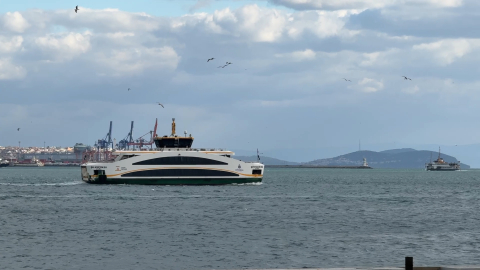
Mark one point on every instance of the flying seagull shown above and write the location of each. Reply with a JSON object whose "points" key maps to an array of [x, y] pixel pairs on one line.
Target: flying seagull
{"points": [[405, 77], [76, 9], [228, 63], [18, 129], [160, 104], [128, 89], [209, 59], [346, 80]]}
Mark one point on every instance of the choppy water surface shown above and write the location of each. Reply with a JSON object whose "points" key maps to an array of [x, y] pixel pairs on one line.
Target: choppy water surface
{"points": [[297, 218]]}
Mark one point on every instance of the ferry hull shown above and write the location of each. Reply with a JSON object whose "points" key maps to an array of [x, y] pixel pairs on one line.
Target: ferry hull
{"points": [[443, 169], [175, 181]]}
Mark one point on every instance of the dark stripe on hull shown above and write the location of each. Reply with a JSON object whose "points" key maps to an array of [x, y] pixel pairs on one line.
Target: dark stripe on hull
{"points": [[177, 181]]}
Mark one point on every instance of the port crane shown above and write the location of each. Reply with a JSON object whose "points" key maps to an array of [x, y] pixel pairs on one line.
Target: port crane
{"points": [[125, 142], [107, 141], [140, 142]]}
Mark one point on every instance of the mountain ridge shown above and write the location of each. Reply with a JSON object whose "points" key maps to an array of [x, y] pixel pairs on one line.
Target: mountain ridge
{"points": [[394, 158]]}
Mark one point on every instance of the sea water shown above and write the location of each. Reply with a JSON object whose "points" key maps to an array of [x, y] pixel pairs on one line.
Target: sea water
{"points": [[296, 218]]}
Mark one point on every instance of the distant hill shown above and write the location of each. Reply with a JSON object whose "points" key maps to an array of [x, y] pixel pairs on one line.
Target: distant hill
{"points": [[266, 160], [395, 158]]}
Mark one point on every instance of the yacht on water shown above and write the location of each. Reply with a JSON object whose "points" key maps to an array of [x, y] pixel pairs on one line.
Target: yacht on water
{"points": [[172, 162], [441, 165]]}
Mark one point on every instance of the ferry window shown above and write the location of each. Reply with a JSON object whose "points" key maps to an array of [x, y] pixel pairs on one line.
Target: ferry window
{"points": [[257, 172], [98, 172], [127, 156]]}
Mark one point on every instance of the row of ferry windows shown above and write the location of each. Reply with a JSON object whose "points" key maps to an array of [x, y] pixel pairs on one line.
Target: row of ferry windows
{"points": [[179, 173], [180, 160]]}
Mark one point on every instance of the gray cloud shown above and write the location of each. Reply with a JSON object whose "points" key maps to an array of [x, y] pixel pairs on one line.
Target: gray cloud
{"points": [[452, 24]]}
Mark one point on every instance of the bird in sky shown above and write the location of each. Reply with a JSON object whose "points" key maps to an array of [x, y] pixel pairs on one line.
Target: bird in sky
{"points": [[18, 129], [160, 104], [346, 80], [76, 9], [209, 59], [128, 89], [405, 78], [228, 63]]}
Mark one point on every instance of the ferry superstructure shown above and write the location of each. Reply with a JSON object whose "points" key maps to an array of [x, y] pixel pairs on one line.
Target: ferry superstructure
{"points": [[441, 165], [173, 162]]}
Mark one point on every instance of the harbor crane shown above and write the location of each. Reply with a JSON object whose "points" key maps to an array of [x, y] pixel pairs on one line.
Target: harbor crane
{"points": [[107, 141], [125, 142], [140, 142]]}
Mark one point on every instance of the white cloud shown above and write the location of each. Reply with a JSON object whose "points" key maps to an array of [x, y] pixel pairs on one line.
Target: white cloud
{"points": [[369, 85], [10, 44], [64, 46], [298, 56], [322, 24], [361, 4], [129, 61], [109, 20], [15, 22], [11, 71], [120, 35], [262, 25], [258, 24], [448, 51]]}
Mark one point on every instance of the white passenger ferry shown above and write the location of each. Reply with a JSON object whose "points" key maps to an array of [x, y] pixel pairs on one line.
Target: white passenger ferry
{"points": [[441, 165], [173, 162]]}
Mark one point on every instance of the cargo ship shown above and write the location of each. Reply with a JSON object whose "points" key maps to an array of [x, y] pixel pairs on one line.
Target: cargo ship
{"points": [[441, 165], [172, 162], [33, 163]]}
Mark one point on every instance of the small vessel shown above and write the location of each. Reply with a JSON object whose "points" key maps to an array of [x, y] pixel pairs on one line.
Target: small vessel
{"points": [[4, 163], [172, 162], [33, 163], [441, 165], [365, 164]]}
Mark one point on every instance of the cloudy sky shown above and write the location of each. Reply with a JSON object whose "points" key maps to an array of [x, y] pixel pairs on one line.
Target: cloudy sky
{"points": [[64, 76]]}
